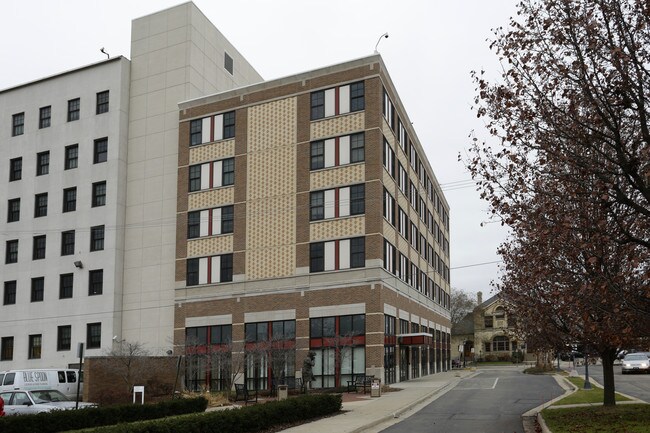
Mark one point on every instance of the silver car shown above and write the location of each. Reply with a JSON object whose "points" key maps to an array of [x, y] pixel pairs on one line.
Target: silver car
{"points": [[20, 402], [636, 362]]}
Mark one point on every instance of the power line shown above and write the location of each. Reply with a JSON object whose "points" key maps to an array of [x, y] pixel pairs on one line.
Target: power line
{"points": [[476, 264]]}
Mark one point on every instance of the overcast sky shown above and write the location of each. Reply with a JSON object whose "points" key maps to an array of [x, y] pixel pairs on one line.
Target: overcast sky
{"points": [[432, 47]]}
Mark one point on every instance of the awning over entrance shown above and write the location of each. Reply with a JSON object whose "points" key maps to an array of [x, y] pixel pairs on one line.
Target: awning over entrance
{"points": [[415, 339]]}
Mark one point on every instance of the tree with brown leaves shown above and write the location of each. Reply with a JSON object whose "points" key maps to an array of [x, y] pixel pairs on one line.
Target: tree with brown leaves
{"points": [[571, 173]]}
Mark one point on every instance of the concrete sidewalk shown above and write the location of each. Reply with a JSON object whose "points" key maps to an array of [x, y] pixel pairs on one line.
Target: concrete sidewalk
{"points": [[363, 413]]}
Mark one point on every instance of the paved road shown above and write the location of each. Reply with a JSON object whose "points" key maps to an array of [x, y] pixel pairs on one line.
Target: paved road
{"points": [[636, 385], [490, 402]]}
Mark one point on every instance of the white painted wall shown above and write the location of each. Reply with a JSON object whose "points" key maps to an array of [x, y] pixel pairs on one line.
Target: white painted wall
{"points": [[25, 317]]}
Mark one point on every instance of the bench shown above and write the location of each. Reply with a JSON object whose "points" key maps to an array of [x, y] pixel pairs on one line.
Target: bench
{"points": [[243, 394], [360, 381]]}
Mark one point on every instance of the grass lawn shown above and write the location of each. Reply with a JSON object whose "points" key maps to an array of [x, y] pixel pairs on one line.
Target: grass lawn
{"points": [[629, 418], [594, 395]]}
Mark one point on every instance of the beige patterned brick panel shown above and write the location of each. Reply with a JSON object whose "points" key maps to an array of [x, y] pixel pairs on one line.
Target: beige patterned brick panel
{"points": [[344, 175], [388, 181], [209, 246], [401, 157], [389, 134], [271, 222], [272, 262], [211, 198], [338, 228], [403, 202], [212, 152], [272, 125], [389, 232], [403, 246], [339, 125], [272, 173], [271, 234]]}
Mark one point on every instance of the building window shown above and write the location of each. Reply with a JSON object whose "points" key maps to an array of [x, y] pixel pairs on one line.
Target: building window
{"points": [[38, 289], [227, 219], [9, 297], [35, 342], [402, 177], [389, 207], [100, 153], [193, 225], [39, 247], [13, 210], [335, 255], [256, 332], [44, 115], [94, 335], [67, 243], [389, 257], [357, 199], [195, 178], [18, 124], [42, 163], [11, 252], [317, 205], [210, 222], [7, 349], [99, 194], [500, 344], [40, 205], [208, 270], [357, 252], [71, 156], [102, 102], [489, 322], [318, 105], [63, 337], [65, 286], [97, 238], [15, 169], [229, 125], [227, 63], [73, 109], [196, 132], [317, 257], [70, 199], [96, 282], [357, 147], [228, 166], [389, 158], [212, 175], [317, 155], [357, 99]]}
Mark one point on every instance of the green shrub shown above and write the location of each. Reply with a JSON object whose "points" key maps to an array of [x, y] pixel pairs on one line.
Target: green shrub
{"points": [[243, 420], [57, 421]]}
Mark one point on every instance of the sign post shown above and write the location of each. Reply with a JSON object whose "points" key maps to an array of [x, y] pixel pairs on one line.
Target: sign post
{"points": [[80, 353]]}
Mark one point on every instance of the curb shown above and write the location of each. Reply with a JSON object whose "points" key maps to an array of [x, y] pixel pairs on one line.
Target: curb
{"points": [[570, 388]]}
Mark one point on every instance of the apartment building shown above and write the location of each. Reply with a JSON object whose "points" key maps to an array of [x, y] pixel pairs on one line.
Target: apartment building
{"points": [[309, 220], [88, 193]]}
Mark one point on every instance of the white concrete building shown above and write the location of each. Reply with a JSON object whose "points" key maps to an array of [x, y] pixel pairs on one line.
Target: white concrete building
{"points": [[92, 153], [63, 153]]}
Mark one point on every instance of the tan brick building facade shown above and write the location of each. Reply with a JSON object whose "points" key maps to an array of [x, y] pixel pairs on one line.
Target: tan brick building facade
{"points": [[309, 219]]}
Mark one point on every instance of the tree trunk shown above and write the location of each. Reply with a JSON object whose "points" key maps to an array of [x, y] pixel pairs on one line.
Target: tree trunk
{"points": [[608, 356]]}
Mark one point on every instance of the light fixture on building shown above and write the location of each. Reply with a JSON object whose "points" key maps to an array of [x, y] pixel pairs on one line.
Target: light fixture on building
{"points": [[78, 264], [385, 35]]}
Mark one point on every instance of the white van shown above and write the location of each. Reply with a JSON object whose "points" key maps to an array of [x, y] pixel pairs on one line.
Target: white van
{"points": [[63, 380]]}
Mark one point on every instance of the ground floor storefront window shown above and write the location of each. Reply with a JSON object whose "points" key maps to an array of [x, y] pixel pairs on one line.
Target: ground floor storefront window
{"points": [[339, 345], [389, 365]]}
